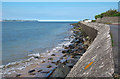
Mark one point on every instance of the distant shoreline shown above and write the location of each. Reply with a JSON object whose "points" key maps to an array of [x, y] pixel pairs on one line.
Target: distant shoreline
{"points": [[40, 20]]}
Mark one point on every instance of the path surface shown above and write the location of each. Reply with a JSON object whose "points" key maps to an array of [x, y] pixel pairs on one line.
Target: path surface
{"points": [[115, 30]]}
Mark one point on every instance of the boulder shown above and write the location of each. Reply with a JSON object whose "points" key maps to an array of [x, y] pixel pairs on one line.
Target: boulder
{"points": [[61, 71]]}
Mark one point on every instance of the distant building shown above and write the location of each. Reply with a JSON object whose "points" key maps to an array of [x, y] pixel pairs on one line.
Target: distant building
{"points": [[87, 21]]}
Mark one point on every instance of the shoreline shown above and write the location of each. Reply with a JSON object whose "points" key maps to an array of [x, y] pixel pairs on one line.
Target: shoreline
{"points": [[66, 56]]}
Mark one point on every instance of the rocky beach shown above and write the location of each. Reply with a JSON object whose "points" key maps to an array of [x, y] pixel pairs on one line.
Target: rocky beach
{"points": [[57, 62], [60, 39]]}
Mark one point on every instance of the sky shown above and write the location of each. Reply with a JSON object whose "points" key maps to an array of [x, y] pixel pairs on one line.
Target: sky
{"points": [[54, 10], [60, 0]]}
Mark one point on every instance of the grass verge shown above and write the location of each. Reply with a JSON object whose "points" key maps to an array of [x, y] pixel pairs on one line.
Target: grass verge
{"points": [[112, 39]]}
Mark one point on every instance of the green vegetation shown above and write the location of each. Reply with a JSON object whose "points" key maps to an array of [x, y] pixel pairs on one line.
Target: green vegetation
{"points": [[93, 20], [108, 23], [86, 19], [112, 39], [109, 13], [116, 76]]}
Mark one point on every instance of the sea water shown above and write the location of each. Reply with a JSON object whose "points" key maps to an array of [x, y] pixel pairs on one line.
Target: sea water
{"points": [[20, 39]]}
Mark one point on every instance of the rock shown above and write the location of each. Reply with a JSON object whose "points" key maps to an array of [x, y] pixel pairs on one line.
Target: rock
{"points": [[43, 61], [72, 50], [79, 54], [50, 58], [83, 51], [70, 65], [86, 43], [53, 55], [66, 47], [71, 46], [65, 57], [55, 61], [87, 38], [86, 46], [61, 57], [30, 71], [49, 66], [63, 61], [77, 57], [39, 70], [61, 71], [72, 61], [46, 71], [37, 57], [17, 75], [50, 73], [65, 51], [48, 51], [76, 47], [72, 56]]}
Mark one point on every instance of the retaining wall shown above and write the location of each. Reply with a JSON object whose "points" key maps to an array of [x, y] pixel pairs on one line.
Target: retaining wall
{"points": [[99, 52], [108, 20]]}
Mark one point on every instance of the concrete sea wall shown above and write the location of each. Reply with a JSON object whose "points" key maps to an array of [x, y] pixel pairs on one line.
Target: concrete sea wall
{"points": [[97, 61], [108, 20]]}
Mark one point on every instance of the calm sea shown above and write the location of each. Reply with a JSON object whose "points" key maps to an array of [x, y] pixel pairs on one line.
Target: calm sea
{"points": [[19, 39]]}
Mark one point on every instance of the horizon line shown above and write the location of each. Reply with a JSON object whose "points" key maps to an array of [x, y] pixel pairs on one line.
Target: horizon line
{"points": [[58, 20], [42, 20]]}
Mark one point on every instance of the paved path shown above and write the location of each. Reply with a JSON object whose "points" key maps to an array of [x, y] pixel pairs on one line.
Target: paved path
{"points": [[115, 30]]}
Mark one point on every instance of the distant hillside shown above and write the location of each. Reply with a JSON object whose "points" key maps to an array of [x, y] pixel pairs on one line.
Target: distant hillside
{"points": [[17, 20]]}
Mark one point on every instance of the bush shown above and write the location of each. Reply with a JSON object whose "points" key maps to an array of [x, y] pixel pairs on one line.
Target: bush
{"points": [[93, 20], [85, 19], [108, 13]]}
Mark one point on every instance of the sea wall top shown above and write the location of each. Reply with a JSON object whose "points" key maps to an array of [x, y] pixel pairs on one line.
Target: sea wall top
{"points": [[97, 61]]}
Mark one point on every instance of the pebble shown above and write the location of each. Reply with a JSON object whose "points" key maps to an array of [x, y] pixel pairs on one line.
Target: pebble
{"points": [[63, 61], [49, 66], [53, 55], [17, 75], [50, 58], [45, 71], [43, 61], [55, 61], [30, 71], [39, 70]]}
